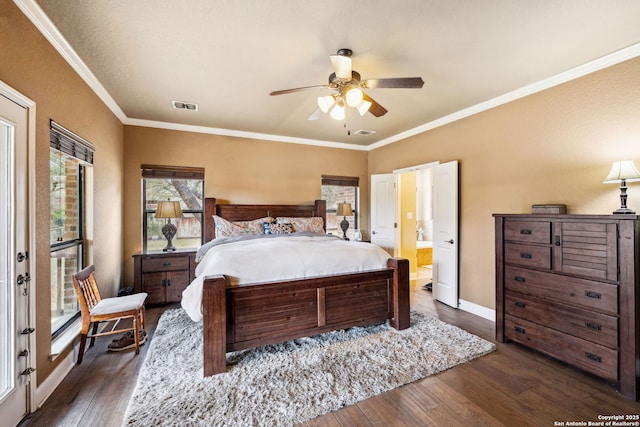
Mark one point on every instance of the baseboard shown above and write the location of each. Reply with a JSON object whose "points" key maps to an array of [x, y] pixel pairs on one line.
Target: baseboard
{"points": [[478, 310], [48, 386]]}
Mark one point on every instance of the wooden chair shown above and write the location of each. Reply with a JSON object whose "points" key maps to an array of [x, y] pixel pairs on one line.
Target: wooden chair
{"points": [[95, 310]]}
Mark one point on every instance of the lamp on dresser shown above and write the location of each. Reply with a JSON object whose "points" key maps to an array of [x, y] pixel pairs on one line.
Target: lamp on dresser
{"points": [[344, 210], [622, 172], [169, 210]]}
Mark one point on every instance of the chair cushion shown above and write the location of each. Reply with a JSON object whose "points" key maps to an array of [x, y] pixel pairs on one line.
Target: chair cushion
{"points": [[118, 304]]}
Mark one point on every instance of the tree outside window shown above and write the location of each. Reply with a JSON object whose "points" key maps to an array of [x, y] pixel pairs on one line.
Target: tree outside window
{"points": [[186, 185], [340, 189]]}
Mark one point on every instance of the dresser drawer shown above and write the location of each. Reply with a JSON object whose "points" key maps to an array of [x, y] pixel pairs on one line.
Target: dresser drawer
{"points": [[596, 327], [528, 231], [591, 357], [172, 263], [528, 255], [580, 293]]}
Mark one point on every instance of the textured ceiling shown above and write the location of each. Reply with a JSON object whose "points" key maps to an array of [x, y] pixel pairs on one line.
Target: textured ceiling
{"points": [[227, 56]]}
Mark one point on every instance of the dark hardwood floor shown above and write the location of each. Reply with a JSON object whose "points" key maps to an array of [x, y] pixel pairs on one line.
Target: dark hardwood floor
{"points": [[509, 387]]}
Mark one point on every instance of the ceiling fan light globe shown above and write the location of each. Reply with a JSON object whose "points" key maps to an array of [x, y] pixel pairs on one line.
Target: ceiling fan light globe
{"points": [[363, 107], [354, 97], [337, 112], [325, 103]]}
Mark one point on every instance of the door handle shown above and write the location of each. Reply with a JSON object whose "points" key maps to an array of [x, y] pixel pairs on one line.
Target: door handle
{"points": [[449, 241]]}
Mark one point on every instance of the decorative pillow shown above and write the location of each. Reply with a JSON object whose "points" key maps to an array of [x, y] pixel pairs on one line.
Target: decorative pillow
{"points": [[226, 228], [312, 224], [275, 228]]}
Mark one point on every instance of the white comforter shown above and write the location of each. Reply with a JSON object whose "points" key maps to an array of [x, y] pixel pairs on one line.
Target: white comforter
{"points": [[279, 257]]}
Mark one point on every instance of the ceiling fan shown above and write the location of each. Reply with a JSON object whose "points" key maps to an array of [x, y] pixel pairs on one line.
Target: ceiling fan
{"points": [[348, 87]]}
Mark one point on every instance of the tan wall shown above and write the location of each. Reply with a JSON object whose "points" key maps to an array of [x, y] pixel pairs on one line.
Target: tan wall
{"points": [[31, 66], [552, 147], [237, 170]]}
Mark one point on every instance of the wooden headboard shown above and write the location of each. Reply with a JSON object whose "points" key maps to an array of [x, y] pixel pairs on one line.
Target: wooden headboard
{"points": [[248, 212]]}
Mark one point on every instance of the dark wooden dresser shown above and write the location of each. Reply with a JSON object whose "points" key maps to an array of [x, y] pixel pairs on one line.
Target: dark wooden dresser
{"points": [[568, 286], [163, 275]]}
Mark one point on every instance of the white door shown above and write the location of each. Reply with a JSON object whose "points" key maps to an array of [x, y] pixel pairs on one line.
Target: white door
{"points": [[445, 233], [383, 212], [14, 279]]}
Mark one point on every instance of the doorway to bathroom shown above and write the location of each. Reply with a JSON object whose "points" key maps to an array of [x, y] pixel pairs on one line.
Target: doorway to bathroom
{"points": [[427, 226]]}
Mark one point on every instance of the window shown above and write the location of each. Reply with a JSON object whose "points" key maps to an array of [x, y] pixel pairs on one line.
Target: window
{"points": [[340, 189], [182, 184], [69, 158]]}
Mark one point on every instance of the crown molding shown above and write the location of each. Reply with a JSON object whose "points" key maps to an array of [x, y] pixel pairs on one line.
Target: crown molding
{"points": [[42, 22], [571, 74], [37, 16], [241, 134]]}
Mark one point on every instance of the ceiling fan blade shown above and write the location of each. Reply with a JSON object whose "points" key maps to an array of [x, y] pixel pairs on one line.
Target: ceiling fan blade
{"points": [[375, 109], [297, 89], [316, 114], [342, 66], [394, 83]]}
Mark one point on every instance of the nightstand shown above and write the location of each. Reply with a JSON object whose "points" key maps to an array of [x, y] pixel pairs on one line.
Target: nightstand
{"points": [[163, 275]]}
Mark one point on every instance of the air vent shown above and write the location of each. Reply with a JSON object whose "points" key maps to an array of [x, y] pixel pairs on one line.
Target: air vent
{"points": [[364, 132], [181, 105]]}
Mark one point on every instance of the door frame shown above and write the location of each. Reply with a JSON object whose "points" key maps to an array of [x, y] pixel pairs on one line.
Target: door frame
{"points": [[397, 183], [23, 101]]}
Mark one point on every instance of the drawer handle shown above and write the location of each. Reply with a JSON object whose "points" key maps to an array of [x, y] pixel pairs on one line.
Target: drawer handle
{"points": [[558, 242], [520, 304], [591, 294], [166, 264], [519, 279], [164, 282], [525, 231], [525, 255], [593, 325], [593, 357], [518, 329]]}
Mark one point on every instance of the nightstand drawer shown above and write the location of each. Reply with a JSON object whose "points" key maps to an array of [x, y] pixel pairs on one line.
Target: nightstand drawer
{"points": [[156, 264]]}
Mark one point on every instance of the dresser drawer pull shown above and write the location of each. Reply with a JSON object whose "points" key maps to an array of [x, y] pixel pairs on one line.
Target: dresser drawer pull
{"points": [[593, 325], [519, 279], [520, 304], [518, 329], [166, 264], [525, 231], [591, 294], [593, 357], [525, 255], [557, 241]]}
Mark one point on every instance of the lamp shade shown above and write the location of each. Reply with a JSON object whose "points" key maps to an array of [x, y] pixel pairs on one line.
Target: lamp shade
{"points": [[168, 210], [623, 170], [337, 112], [325, 103], [354, 97], [344, 209]]}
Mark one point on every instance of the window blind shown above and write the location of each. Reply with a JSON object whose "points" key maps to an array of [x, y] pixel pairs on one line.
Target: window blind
{"points": [[346, 181], [67, 142], [176, 172]]}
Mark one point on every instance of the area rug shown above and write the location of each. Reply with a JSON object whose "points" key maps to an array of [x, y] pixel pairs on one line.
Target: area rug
{"points": [[291, 382]]}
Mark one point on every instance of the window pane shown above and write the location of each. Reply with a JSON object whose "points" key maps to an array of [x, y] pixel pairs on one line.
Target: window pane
{"points": [[65, 197], [188, 234], [334, 194], [189, 192], [64, 303]]}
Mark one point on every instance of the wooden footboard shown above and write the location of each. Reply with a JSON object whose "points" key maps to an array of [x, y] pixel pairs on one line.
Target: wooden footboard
{"points": [[246, 316]]}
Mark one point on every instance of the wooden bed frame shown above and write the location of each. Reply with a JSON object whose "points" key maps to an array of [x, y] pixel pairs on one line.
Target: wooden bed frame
{"points": [[245, 316]]}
